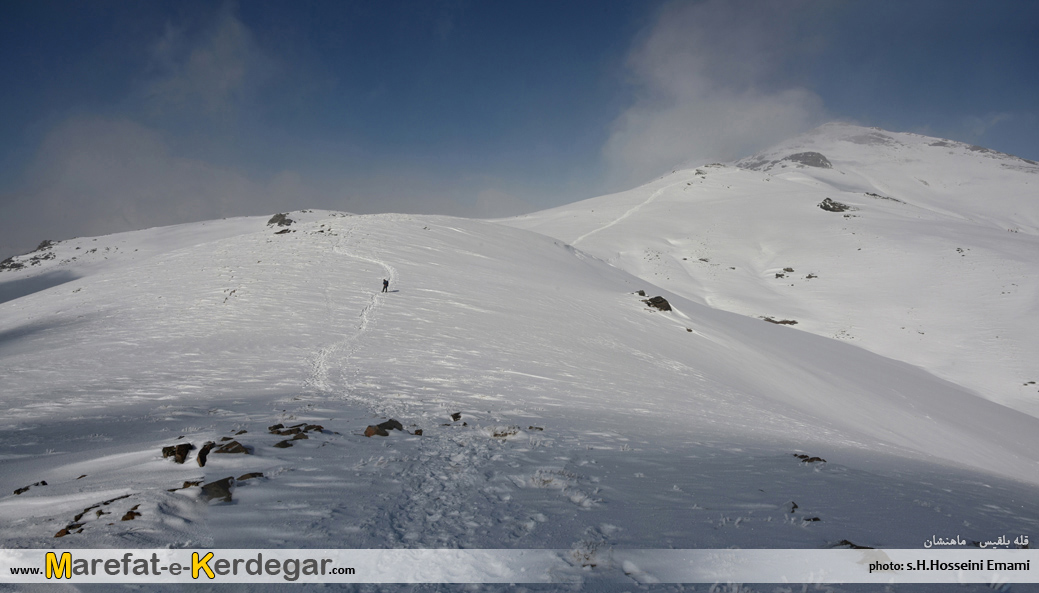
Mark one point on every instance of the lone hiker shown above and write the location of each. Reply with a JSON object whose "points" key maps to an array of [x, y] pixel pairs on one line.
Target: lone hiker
{"points": [[385, 285]]}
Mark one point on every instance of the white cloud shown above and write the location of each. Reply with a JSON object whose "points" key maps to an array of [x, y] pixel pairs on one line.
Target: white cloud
{"points": [[711, 86], [96, 176], [210, 72]]}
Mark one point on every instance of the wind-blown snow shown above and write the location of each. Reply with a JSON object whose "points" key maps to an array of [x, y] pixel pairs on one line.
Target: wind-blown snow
{"points": [[588, 420]]}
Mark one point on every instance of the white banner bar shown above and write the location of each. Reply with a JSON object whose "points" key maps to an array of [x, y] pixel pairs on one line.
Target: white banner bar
{"points": [[993, 567]]}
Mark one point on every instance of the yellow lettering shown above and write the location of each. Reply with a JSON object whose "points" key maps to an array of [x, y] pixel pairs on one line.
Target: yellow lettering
{"points": [[56, 568], [202, 564]]}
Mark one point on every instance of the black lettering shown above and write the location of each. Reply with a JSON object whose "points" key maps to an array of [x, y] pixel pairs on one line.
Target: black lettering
{"points": [[291, 569], [257, 562]]}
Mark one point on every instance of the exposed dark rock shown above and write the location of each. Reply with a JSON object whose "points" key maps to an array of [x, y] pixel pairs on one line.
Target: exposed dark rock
{"points": [[372, 431], [178, 452], [288, 431], [250, 476], [391, 424], [233, 447], [806, 459], [283, 444], [283, 231], [218, 490], [830, 206], [204, 452], [504, 433], [275, 427], [793, 506], [187, 484], [659, 302], [131, 514], [26, 489], [849, 544], [241, 432], [225, 439], [313, 427], [11, 264], [780, 321], [110, 501], [641, 293], [418, 432], [535, 428], [809, 159], [788, 270], [299, 436], [456, 416], [811, 519], [280, 219]]}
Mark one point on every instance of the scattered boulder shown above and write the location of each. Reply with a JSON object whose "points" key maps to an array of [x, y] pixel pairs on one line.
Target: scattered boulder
{"points": [[418, 432], [659, 302], [372, 431], [505, 432], [641, 293], [26, 489], [284, 444], [241, 432], [456, 416], [280, 219], [131, 514], [275, 427], [391, 424], [250, 476], [806, 459], [780, 321], [178, 452], [283, 231], [204, 452], [187, 484], [299, 436], [383, 429], [831, 206], [233, 447], [218, 490]]}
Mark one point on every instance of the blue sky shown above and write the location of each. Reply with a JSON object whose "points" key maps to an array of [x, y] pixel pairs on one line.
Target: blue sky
{"points": [[122, 115]]}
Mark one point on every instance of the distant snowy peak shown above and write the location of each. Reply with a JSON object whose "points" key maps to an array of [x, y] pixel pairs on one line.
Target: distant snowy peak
{"points": [[830, 144]]}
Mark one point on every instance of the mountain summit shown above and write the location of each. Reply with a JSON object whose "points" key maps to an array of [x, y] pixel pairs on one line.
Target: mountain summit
{"points": [[916, 248]]}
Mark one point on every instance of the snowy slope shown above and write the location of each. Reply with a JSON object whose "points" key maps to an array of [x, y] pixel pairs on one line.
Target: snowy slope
{"points": [[936, 263], [588, 420]]}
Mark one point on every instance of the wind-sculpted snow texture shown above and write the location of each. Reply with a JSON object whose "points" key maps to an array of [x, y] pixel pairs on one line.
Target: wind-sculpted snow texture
{"points": [[934, 261], [585, 419]]}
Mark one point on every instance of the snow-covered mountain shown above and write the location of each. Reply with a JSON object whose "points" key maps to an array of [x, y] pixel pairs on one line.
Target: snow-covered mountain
{"points": [[934, 261], [556, 409]]}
